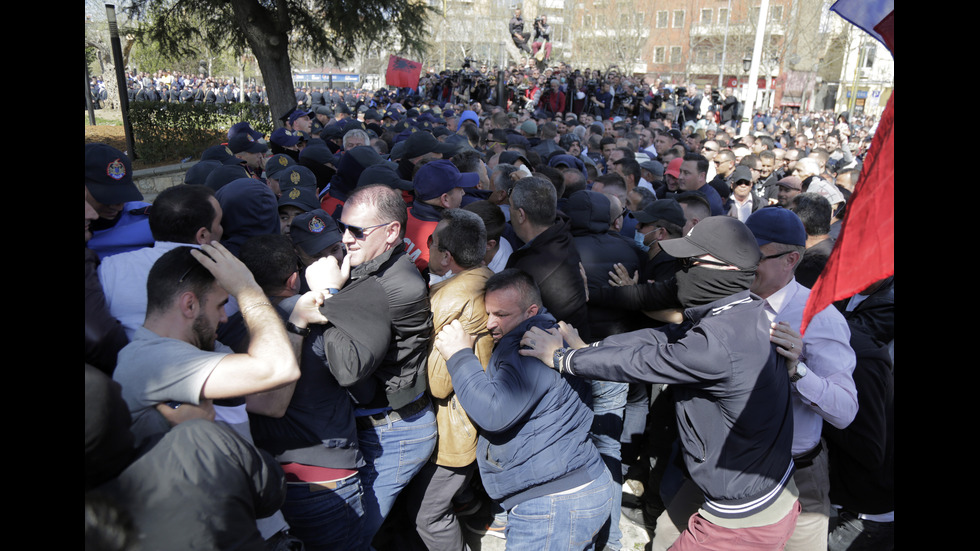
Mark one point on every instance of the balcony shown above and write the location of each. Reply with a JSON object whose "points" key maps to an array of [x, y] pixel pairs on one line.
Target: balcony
{"points": [[701, 30]]}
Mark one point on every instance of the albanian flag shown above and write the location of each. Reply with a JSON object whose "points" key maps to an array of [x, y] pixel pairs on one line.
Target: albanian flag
{"points": [[403, 73], [865, 250]]}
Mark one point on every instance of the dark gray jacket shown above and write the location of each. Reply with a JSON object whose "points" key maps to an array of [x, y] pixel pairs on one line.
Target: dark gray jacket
{"points": [[731, 394], [377, 342]]}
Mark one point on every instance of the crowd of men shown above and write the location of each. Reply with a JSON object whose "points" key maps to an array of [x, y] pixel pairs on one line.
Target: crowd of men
{"points": [[406, 315]]}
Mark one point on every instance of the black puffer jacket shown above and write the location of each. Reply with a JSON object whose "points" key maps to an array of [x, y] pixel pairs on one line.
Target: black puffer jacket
{"points": [[600, 248]]}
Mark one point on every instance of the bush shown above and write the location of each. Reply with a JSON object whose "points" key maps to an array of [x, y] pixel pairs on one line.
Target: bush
{"points": [[165, 131]]}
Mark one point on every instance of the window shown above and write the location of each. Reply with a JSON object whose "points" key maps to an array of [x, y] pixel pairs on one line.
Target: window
{"points": [[868, 54], [675, 54], [678, 19], [706, 16], [661, 19], [775, 14], [587, 21], [722, 15], [658, 54]]}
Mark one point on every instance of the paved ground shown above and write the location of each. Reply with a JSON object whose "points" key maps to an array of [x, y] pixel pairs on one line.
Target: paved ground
{"points": [[635, 538]]}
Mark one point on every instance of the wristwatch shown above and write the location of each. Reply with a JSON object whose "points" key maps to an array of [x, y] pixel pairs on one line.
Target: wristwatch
{"points": [[801, 372], [558, 357], [301, 331]]}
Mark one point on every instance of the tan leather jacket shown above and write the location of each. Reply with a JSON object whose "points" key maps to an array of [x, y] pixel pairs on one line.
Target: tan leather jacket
{"points": [[459, 297]]}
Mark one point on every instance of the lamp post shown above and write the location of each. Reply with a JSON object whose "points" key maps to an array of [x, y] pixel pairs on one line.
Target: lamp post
{"points": [[754, 68]]}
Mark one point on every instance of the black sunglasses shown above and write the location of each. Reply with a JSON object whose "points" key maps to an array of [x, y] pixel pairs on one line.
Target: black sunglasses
{"points": [[356, 232]]}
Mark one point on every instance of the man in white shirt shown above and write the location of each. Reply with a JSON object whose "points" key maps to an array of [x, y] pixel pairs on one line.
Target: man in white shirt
{"points": [[820, 365], [180, 215]]}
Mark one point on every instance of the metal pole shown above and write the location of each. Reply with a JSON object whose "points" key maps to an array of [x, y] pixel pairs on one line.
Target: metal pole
{"points": [[88, 98], [117, 59], [753, 85]]}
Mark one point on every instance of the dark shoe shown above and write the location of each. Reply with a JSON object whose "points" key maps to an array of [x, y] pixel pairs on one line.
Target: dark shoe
{"points": [[641, 517]]}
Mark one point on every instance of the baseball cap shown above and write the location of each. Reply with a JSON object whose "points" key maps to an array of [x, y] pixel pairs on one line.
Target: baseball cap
{"points": [[299, 196], [198, 173], [674, 167], [222, 154], [421, 143], [740, 173], [224, 175], [776, 225], [297, 175], [299, 113], [384, 173], [285, 138], [244, 141], [276, 164], [244, 126], [723, 237], [109, 175], [662, 209], [441, 176], [314, 231]]}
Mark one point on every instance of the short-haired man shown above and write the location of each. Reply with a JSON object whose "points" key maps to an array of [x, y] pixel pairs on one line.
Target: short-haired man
{"points": [[549, 253], [377, 344], [534, 451], [174, 360], [181, 215], [457, 277], [692, 176], [729, 383]]}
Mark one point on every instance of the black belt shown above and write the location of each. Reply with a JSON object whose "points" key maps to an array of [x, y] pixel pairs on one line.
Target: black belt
{"points": [[382, 418], [805, 459]]}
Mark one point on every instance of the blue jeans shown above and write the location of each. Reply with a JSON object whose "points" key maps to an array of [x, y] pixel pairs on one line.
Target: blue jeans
{"points": [[562, 521], [608, 405], [326, 519], [394, 453]]}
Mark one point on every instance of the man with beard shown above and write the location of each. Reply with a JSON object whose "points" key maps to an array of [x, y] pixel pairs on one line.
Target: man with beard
{"points": [[729, 382], [174, 368]]}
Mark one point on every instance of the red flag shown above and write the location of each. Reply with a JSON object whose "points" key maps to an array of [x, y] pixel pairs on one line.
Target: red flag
{"points": [[865, 249], [403, 73]]}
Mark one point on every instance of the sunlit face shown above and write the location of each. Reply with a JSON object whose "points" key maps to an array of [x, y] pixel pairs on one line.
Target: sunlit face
{"points": [[375, 241], [688, 178], [505, 312]]}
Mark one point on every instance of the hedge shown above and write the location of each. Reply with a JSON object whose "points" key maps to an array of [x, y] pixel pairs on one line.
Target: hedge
{"points": [[172, 131]]}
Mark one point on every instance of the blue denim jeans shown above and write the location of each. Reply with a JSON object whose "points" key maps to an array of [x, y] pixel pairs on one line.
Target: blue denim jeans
{"points": [[608, 405], [394, 453], [326, 519], [562, 521]]}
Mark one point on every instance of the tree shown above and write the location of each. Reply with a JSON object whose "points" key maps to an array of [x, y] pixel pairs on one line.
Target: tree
{"points": [[333, 29]]}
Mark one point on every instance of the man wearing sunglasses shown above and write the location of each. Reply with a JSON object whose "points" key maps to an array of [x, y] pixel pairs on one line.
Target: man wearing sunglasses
{"points": [[377, 344], [730, 387]]}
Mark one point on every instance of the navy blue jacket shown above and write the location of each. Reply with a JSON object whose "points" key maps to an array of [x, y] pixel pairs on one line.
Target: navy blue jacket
{"points": [[533, 425]]}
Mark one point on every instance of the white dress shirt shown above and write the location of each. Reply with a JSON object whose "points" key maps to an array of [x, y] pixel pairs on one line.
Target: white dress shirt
{"points": [[827, 391]]}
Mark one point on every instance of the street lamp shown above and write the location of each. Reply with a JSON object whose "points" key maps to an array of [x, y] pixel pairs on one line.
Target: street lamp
{"points": [[746, 63]]}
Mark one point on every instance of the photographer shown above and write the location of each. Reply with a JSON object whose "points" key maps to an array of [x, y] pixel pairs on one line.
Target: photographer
{"points": [[602, 101], [542, 31]]}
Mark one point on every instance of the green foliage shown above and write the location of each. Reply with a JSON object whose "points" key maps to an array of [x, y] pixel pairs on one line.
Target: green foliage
{"points": [[165, 131]]}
